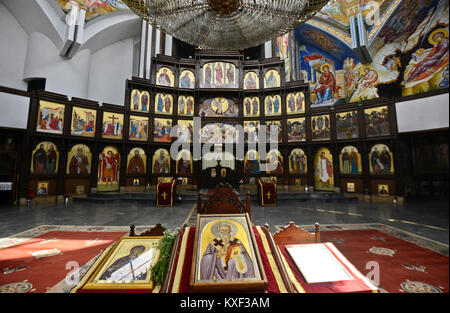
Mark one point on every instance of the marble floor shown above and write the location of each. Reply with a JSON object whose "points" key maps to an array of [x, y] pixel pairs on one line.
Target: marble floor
{"points": [[429, 219]]}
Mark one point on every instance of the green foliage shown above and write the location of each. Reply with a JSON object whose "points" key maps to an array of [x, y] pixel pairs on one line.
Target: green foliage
{"points": [[159, 270]]}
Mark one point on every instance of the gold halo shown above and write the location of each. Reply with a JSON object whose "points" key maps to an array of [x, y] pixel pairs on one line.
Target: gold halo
{"points": [[364, 68], [420, 52], [323, 65], [439, 30]]}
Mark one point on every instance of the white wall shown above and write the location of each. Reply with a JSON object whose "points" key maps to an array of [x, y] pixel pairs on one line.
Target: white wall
{"points": [[13, 50], [14, 111], [109, 69], [65, 76], [423, 114]]}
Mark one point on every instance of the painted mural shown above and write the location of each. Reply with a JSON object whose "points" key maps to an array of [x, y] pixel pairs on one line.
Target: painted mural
{"points": [[165, 77], [283, 50], [163, 103], [161, 162], [184, 163], [218, 107], [275, 126], [275, 162], [323, 176], [79, 160], [251, 80], [295, 103], [108, 169], [252, 162], [186, 105], [138, 128], [272, 105], [407, 42], [50, 117], [140, 101], [381, 160], [272, 79], [185, 130], [187, 79], [320, 127], [219, 75], [112, 125], [350, 161], [251, 106], [298, 162], [44, 160], [93, 8], [161, 130], [347, 125], [296, 129], [377, 121], [83, 122], [251, 129], [136, 161], [218, 133]]}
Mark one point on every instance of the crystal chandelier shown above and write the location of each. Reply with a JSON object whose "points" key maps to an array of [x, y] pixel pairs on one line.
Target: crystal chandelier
{"points": [[225, 24]]}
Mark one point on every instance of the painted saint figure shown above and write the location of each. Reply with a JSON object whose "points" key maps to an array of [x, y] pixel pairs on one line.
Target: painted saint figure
{"points": [[161, 164], [184, 165], [144, 102], [109, 167], [219, 74], [79, 164], [324, 169], [164, 78], [39, 160], [136, 164], [50, 161], [119, 263], [252, 164], [327, 85], [298, 162], [226, 257], [437, 57]]}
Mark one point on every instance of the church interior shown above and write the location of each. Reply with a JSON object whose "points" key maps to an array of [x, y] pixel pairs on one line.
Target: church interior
{"points": [[268, 147]]}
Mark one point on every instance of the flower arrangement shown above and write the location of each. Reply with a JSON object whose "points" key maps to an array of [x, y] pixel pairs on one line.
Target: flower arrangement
{"points": [[30, 194]]}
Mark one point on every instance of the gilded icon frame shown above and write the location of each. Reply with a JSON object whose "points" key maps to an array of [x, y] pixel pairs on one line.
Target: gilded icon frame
{"points": [[246, 238], [109, 256]]}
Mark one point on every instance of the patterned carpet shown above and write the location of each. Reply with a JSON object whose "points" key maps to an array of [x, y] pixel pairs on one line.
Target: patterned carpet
{"points": [[424, 261]]}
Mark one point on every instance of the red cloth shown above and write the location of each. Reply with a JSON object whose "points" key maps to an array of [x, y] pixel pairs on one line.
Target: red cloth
{"points": [[164, 194], [272, 286], [267, 193], [409, 261], [45, 272], [186, 274]]}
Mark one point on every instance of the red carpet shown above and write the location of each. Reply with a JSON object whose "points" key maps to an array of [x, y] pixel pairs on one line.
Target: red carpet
{"points": [[403, 266], [39, 263]]}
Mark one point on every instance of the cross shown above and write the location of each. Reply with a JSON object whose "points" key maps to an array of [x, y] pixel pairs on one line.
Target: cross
{"points": [[268, 194], [113, 118], [164, 195]]}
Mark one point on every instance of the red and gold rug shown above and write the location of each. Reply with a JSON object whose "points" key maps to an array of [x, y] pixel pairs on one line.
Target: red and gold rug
{"points": [[397, 265], [52, 258]]}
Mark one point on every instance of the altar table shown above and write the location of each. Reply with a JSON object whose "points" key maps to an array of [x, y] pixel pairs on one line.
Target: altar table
{"points": [[179, 280]]}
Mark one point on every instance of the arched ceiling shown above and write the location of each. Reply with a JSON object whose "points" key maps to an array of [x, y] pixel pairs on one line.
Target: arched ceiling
{"points": [[107, 21]]}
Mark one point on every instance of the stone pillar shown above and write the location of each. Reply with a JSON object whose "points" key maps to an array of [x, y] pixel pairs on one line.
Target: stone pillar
{"points": [[168, 45], [268, 49]]}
